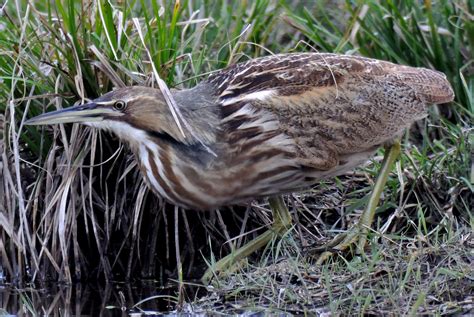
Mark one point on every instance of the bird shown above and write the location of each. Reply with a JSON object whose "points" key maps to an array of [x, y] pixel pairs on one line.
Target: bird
{"points": [[265, 127]]}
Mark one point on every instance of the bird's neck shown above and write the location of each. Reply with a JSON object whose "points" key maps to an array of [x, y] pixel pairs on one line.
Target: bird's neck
{"points": [[172, 163], [199, 115], [191, 121]]}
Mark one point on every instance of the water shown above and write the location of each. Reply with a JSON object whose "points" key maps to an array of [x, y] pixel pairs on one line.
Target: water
{"points": [[109, 300]]}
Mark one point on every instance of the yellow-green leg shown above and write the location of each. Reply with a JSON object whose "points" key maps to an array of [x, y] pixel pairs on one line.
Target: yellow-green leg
{"points": [[281, 223], [359, 232]]}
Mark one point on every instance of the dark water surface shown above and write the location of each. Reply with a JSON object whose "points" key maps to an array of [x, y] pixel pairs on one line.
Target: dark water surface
{"points": [[113, 299]]}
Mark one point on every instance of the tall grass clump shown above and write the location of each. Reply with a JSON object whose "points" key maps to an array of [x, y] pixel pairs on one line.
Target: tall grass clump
{"points": [[73, 205]]}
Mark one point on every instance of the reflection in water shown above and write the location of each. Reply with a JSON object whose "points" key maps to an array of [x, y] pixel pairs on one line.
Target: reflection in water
{"points": [[110, 300]]}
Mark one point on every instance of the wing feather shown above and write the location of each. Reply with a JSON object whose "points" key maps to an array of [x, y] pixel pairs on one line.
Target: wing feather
{"points": [[330, 105]]}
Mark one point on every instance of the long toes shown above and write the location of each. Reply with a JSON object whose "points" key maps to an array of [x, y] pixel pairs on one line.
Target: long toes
{"points": [[341, 243]]}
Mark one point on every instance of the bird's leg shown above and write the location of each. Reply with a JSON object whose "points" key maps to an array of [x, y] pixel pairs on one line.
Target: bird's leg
{"points": [[281, 223], [359, 231], [281, 215]]}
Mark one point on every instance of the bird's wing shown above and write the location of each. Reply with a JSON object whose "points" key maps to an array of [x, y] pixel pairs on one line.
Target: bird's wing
{"points": [[329, 105]]}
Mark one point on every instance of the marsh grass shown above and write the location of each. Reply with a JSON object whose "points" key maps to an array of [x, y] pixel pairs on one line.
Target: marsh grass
{"points": [[73, 206]]}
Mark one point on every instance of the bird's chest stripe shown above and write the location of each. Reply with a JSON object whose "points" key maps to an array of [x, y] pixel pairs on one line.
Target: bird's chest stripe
{"points": [[170, 182], [153, 173]]}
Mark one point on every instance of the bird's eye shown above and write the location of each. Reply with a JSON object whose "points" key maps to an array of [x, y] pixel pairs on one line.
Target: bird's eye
{"points": [[120, 105]]}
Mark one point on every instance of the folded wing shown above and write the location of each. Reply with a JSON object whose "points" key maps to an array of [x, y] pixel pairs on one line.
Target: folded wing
{"points": [[331, 106]]}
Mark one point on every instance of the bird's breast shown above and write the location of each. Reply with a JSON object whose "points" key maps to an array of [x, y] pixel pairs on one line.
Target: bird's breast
{"points": [[229, 179]]}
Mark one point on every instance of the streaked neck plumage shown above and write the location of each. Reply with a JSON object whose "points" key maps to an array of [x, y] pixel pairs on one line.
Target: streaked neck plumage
{"points": [[207, 167]]}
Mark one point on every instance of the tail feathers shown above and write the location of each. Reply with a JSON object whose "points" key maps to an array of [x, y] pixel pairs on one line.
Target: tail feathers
{"points": [[431, 85]]}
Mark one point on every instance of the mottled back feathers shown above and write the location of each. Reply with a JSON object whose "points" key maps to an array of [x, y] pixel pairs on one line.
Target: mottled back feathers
{"points": [[290, 74], [329, 105]]}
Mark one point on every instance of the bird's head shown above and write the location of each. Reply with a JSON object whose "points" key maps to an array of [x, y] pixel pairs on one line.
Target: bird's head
{"points": [[130, 113]]}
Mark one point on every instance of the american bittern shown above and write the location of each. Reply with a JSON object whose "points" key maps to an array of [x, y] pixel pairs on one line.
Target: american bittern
{"points": [[265, 127]]}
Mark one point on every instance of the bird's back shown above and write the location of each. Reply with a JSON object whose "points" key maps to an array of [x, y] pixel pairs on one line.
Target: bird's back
{"points": [[330, 105]]}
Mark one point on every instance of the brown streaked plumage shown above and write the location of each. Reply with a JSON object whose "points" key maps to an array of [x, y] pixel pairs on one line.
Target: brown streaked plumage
{"points": [[264, 127], [276, 124]]}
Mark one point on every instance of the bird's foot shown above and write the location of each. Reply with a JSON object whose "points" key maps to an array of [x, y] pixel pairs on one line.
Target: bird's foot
{"points": [[227, 263], [354, 238], [281, 223]]}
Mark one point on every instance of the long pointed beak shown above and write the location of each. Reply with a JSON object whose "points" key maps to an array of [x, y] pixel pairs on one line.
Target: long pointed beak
{"points": [[89, 112]]}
